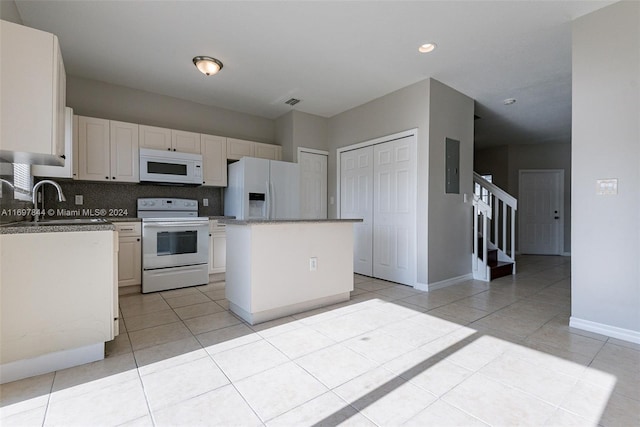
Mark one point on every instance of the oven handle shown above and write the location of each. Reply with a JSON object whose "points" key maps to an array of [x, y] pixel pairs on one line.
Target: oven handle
{"points": [[175, 224]]}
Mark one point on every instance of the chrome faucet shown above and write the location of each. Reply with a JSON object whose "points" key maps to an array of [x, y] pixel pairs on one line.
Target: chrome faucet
{"points": [[9, 183], [61, 197]]}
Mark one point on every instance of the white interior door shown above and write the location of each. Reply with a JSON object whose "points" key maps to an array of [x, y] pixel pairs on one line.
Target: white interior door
{"points": [[394, 233], [356, 201], [540, 215], [313, 185]]}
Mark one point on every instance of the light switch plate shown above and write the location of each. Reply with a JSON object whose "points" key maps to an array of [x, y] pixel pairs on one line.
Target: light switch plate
{"points": [[607, 187], [205, 202], [79, 199]]}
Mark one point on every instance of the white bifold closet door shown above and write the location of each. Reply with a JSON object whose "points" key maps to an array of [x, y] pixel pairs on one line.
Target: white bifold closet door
{"points": [[356, 201], [378, 184]]}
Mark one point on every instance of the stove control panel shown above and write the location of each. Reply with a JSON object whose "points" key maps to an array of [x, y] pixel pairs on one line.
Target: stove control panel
{"points": [[153, 204]]}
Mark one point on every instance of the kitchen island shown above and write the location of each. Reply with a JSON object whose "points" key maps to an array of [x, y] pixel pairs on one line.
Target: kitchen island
{"points": [[280, 267], [58, 295]]}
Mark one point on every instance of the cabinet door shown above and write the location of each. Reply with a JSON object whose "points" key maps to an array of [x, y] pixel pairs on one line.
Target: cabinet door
{"points": [[125, 163], [214, 160], [93, 149], [268, 151], [60, 97], [31, 102], [185, 142], [69, 170], [217, 252], [154, 137], [239, 148], [129, 261]]}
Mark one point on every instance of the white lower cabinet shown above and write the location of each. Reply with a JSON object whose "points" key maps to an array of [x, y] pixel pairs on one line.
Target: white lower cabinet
{"points": [[217, 247], [129, 253], [58, 304]]}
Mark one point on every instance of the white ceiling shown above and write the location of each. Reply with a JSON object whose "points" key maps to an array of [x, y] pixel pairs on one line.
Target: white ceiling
{"points": [[331, 55]]}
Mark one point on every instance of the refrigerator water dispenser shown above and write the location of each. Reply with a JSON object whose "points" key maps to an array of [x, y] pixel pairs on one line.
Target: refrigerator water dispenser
{"points": [[257, 205]]}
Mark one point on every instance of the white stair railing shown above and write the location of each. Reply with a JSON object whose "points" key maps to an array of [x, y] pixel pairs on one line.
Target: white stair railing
{"points": [[494, 219]]}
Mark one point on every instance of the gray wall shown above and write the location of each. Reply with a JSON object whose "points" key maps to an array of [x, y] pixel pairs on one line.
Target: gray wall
{"points": [[505, 162], [98, 99], [9, 12], [450, 116], [437, 111], [297, 129], [606, 144], [401, 110]]}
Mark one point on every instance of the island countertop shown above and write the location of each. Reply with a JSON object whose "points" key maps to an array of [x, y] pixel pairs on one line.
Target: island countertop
{"points": [[283, 221]]}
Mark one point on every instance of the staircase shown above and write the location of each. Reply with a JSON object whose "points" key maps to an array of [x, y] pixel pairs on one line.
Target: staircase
{"points": [[494, 225]]}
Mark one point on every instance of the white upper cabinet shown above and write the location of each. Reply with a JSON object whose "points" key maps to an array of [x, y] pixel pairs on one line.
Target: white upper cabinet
{"points": [[239, 148], [125, 156], [94, 153], [169, 139], [154, 137], [70, 169], [185, 142], [214, 160], [268, 151], [33, 87], [107, 150]]}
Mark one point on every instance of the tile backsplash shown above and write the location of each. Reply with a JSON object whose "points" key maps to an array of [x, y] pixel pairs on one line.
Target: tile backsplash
{"points": [[120, 199]]}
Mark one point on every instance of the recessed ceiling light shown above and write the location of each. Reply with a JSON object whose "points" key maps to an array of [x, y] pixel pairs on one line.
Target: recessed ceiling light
{"points": [[427, 47], [509, 101]]}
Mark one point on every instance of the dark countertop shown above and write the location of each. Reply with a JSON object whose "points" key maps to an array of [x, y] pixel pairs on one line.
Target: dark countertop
{"points": [[29, 227], [284, 221]]}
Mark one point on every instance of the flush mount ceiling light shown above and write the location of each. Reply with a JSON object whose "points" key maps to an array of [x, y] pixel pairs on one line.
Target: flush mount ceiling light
{"points": [[427, 47], [509, 101], [207, 65]]}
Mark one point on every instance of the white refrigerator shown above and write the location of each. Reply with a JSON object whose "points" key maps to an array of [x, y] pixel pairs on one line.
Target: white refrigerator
{"points": [[262, 189]]}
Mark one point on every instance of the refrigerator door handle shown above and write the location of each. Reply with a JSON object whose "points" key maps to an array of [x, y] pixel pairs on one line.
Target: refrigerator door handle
{"points": [[274, 206], [267, 213]]}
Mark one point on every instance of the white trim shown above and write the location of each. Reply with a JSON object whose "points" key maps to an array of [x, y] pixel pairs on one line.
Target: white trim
{"points": [[449, 282], [419, 286], [608, 330], [560, 237], [310, 150], [50, 362]]}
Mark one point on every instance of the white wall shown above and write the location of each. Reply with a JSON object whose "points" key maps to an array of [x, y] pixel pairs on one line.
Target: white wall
{"points": [[450, 116], [605, 234], [99, 99]]}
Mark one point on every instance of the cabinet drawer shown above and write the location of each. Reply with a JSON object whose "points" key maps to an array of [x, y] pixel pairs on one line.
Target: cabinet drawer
{"points": [[128, 228], [216, 227]]}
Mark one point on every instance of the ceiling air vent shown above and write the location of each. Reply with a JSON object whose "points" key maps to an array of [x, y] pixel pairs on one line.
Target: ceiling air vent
{"points": [[292, 101]]}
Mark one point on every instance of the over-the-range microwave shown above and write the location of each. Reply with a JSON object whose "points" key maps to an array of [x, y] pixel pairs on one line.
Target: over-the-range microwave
{"points": [[170, 167]]}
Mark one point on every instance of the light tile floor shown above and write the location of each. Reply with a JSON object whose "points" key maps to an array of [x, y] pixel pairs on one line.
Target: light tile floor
{"points": [[471, 354]]}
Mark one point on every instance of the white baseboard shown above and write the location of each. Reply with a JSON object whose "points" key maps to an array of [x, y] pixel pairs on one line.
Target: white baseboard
{"points": [[443, 283], [50, 362], [608, 330], [421, 287]]}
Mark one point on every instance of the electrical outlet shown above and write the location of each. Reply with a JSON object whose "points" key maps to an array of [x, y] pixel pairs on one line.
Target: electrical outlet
{"points": [[313, 264], [205, 202], [79, 199]]}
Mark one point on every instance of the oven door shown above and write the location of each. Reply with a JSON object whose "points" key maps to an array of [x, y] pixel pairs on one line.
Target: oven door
{"points": [[174, 242]]}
